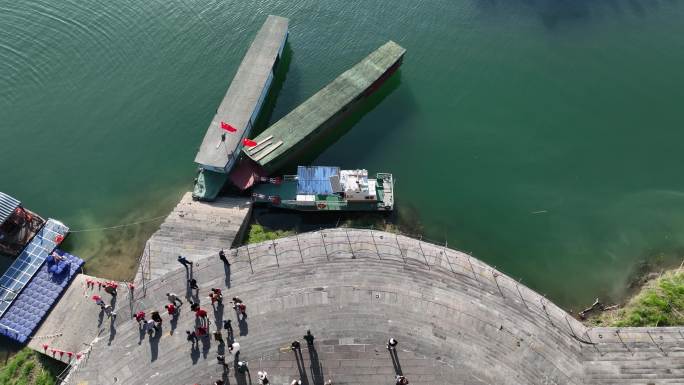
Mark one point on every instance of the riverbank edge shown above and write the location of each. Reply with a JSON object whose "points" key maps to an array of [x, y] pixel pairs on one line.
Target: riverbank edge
{"points": [[659, 301]]}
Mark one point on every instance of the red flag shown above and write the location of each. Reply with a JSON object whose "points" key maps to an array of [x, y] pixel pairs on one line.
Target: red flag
{"points": [[228, 127], [249, 142]]}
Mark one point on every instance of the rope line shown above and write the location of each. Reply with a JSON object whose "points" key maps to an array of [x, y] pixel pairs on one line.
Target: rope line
{"points": [[119, 226]]}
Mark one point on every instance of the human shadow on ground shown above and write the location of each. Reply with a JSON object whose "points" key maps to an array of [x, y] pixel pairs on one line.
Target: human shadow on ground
{"points": [[316, 369], [112, 329], [206, 345], [218, 314], [226, 270], [194, 352], [242, 378], [154, 344], [300, 367], [243, 326], [141, 330], [174, 320], [100, 317], [395, 362]]}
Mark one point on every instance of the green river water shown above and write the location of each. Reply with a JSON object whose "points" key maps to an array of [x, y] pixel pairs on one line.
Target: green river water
{"points": [[543, 136]]}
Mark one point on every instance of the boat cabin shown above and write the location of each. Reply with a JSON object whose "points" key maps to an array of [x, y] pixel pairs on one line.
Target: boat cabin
{"points": [[17, 225]]}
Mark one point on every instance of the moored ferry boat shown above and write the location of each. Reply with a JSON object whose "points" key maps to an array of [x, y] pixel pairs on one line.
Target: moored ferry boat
{"points": [[322, 188]]}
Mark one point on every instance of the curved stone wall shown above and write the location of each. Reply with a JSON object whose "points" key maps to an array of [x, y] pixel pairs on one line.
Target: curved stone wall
{"points": [[458, 320]]}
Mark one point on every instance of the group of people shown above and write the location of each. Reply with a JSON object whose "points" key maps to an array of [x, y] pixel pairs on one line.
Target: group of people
{"points": [[202, 326]]}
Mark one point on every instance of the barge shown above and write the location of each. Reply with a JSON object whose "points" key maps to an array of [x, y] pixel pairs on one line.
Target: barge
{"points": [[322, 188], [239, 108], [328, 107]]}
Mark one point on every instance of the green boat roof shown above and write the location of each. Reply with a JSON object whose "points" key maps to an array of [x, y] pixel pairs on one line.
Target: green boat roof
{"points": [[318, 109]]}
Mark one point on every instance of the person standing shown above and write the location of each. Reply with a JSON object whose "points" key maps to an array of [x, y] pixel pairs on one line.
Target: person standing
{"points": [[171, 309], [193, 284], [263, 378], [140, 317], [192, 337], [242, 367], [309, 338], [222, 257], [184, 261], [173, 298]]}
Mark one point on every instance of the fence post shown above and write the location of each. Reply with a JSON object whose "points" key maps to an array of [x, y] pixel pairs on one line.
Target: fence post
{"points": [[586, 332], [547, 313], [420, 244], [655, 343], [521, 296], [275, 252], [249, 257], [299, 247], [375, 244], [617, 333], [324, 247], [396, 238], [495, 274], [346, 232], [570, 326], [472, 269]]}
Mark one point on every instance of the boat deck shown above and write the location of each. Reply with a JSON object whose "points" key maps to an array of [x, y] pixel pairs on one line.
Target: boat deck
{"points": [[242, 102], [290, 132]]}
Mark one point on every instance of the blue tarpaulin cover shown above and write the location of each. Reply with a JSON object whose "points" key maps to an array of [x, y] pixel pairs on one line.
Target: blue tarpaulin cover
{"points": [[34, 302], [315, 180]]}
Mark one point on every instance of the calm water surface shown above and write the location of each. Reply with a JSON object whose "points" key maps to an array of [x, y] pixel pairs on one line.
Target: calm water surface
{"points": [[544, 136]]}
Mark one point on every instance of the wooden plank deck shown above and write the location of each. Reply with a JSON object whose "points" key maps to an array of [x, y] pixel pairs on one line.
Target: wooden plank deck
{"points": [[242, 102]]}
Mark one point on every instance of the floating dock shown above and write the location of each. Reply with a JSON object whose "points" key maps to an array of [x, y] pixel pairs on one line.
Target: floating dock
{"points": [[321, 111], [240, 106]]}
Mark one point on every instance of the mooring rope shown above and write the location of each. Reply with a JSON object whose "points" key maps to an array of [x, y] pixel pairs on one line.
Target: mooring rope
{"points": [[119, 226]]}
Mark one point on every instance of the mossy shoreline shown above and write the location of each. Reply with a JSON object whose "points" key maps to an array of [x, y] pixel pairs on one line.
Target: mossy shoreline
{"points": [[660, 302], [28, 367]]}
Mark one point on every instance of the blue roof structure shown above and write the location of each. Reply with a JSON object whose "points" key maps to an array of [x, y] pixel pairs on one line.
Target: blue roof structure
{"points": [[7, 206], [29, 261], [315, 179], [28, 310]]}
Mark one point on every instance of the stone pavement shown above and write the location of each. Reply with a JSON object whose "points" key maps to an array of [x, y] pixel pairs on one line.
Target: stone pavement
{"points": [[194, 229], [458, 321]]}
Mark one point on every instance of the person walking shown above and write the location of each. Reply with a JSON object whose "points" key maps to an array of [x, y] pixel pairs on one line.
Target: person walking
{"points": [[140, 317], [228, 325], [171, 309], [218, 336], [194, 306], [184, 261], [193, 284], [401, 380], [296, 382], [222, 257], [98, 301], [263, 377], [234, 349], [192, 336], [309, 338], [242, 367], [242, 309], [173, 298], [295, 345], [236, 301], [150, 326], [221, 359], [392, 343], [216, 295]]}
